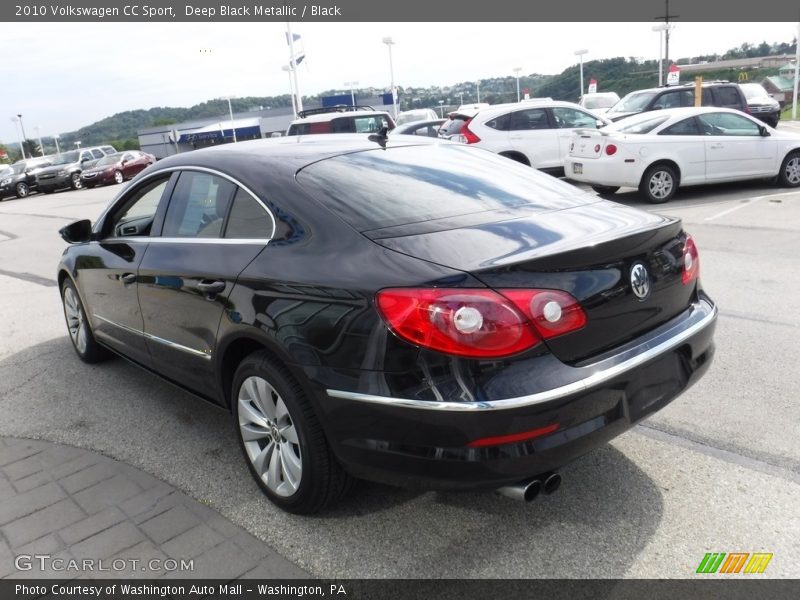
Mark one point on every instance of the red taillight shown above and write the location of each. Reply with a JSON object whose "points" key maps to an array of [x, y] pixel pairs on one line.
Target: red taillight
{"points": [[513, 438], [691, 261], [611, 149], [478, 323], [469, 136]]}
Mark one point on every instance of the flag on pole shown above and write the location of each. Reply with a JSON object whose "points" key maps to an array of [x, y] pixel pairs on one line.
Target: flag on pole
{"points": [[299, 51]]}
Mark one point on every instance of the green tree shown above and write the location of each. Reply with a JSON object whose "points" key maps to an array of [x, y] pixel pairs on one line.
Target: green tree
{"points": [[32, 148]]}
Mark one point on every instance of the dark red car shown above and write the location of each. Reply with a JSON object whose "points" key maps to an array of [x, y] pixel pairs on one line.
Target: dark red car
{"points": [[116, 168]]}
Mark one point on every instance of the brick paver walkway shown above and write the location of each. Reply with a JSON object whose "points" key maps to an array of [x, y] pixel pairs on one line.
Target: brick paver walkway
{"points": [[73, 504]]}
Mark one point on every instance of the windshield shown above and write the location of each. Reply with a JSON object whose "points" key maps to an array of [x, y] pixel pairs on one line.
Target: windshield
{"points": [[66, 158], [600, 102], [106, 161], [633, 102]]}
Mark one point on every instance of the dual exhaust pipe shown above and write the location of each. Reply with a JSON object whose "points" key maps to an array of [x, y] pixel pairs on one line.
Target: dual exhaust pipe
{"points": [[527, 491]]}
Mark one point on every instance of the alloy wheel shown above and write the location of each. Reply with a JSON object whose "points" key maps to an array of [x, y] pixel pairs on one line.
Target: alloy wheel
{"points": [[118, 177], [76, 181], [22, 190], [792, 170], [269, 436], [660, 185], [76, 321]]}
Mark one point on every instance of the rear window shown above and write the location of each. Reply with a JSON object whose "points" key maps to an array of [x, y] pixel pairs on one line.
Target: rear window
{"points": [[452, 126], [376, 189]]}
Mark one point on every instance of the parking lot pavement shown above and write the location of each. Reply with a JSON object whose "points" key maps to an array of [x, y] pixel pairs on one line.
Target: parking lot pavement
{"points": [[717, 470]]}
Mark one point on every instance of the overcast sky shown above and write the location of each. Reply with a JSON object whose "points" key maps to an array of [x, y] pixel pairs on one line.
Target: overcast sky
{"points": [[64, 76]]}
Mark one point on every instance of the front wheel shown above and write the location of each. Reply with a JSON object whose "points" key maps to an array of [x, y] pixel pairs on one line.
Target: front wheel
{"points": [[789, 175], [605, 190], [282, 439], [86, 347], [659, 184], [23, 190], [75, 181], [118, 177]]}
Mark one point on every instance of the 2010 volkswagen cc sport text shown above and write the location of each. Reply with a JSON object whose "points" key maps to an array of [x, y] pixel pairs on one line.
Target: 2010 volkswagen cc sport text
{"points": [[403, 310]]}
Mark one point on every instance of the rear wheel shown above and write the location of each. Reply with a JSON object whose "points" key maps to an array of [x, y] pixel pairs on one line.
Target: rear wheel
{"points": [[86, 347], [282, 439], [605, 190], [75, 181], [118, 177], [659, 184], [22, 190], [789, 175]]}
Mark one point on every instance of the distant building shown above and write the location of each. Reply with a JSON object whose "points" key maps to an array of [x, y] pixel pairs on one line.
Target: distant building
{"points": [[781, 86], [166, 140]]}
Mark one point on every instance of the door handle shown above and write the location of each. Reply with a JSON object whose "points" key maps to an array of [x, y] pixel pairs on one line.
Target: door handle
{"points": [[716, 146], [128, 278], [211, 287]]}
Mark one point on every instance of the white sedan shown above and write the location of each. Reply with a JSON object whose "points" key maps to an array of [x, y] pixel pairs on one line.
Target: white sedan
{"points": [[660, 151]]}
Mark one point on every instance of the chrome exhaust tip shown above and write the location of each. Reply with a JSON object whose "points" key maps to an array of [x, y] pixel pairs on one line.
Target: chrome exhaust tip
{"points": [[526, 491], [551, 483]]}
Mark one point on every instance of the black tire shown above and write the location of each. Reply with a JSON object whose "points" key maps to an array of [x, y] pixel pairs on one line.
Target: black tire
{"points": [[789, 175], [118, 177], [22, 190], [89, 351], [322, 480], [659, 184], [75, 181], [605, 190]]}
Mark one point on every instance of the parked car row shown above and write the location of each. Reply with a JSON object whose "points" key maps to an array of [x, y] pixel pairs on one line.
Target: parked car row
{"points": [[72, 169]]}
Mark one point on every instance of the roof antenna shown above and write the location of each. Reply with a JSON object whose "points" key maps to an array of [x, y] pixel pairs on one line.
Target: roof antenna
{"points": [[381, 137]]}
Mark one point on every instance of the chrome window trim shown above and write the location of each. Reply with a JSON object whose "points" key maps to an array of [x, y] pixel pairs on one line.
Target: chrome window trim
{"points": [[182, 240], [170, 170], [155, 338], [533, 399]]}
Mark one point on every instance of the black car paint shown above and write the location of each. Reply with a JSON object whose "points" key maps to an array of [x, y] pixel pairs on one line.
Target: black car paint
{"points": [[308, 297]]}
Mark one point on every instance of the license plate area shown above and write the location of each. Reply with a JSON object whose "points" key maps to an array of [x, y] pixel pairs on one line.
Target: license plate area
{"points": [[577, 168]]}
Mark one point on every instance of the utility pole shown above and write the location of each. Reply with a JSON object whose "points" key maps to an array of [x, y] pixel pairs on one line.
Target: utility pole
{"points": [[666, 19]]}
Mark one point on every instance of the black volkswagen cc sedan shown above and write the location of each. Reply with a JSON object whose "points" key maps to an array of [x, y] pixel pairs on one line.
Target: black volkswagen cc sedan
{"points": [[403, 310]]}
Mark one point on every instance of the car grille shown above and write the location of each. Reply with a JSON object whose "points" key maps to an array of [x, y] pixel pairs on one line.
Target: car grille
{"points": [[760, 109], [89, 175]]}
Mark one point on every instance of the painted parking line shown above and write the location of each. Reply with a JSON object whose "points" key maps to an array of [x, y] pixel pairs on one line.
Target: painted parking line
{"points": [[745, 203]]}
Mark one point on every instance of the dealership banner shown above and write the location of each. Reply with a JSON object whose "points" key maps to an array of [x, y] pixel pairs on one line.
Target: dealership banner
{"points": [[408, 10], [405, 589]]}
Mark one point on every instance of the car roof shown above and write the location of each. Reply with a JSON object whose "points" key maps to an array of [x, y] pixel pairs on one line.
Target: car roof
{"points": [[684, 86], [499, 108], [338, 114], [672, 114]]}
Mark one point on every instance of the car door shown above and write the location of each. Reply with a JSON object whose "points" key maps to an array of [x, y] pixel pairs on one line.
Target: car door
{"points": [[735, 148], [568, 120], [684, 143], [107, 270], [132, 164], [188, 273], [531, 133]]}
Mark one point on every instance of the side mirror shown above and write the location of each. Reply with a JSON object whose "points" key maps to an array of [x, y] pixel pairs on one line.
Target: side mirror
{"points": [[78, 232], [600, 124], [763, 131]]}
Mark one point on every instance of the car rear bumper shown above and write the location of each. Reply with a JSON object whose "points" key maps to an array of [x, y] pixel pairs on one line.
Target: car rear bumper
{"points": [[403, 440], [614, 173]]}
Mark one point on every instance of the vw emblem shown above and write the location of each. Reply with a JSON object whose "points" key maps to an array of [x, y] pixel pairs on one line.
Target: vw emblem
{"points": [[640, 281]]}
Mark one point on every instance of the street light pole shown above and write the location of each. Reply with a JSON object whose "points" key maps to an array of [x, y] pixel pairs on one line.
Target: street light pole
{"points": [[516, 72], [21, 146], [39, 136], [293, 66], [350, 84], [660, 29], [580, 54], [288, 70], [24, 135], [478, 90], [390, 42], [55, 139], [230, 112], [441, 109]]}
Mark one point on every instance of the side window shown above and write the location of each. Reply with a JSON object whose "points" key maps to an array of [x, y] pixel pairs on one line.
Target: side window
{"points": [[86, 156], [135, 216], [685, 127], [727, 97], [248, 219], [128, 156], [198, 206], [533, 118], [672, 99], [501, 123], [97, 153], [569, 118], [342, 125], [727, 124]]}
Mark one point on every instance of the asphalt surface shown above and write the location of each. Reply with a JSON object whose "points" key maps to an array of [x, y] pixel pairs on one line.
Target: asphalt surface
{"points": [[717, 470]]}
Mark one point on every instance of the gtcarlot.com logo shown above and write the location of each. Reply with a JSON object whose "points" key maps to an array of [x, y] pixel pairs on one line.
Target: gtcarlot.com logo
{"points": [[732, 563]]}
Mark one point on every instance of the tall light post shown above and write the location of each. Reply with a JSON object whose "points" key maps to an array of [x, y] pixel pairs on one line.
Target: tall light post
{"points": [[288, 70], [230, 113], [55, 139], [351, 85], [293, 66], [661, 28], [39, 136], [580, 53], [478, 90], [516, 72], [389, 43], [21, 145], [441, 109]]}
